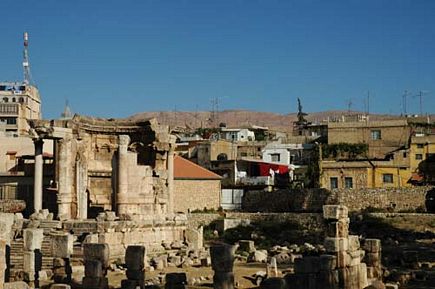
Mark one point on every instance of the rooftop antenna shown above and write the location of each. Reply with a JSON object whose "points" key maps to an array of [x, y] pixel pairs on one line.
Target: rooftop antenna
{"points": [[404, 96], [26, 64], [349, 105], [368, 102], [420, 94]]}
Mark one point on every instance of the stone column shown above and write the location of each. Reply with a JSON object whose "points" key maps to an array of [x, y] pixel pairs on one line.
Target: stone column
{"points": [[96, 257], [64, 197], [32, 257], [61, 250], [171, 180], [222, 261], [135, 263], [38, 176], [3, 263], [122, 193], [81, 187]]}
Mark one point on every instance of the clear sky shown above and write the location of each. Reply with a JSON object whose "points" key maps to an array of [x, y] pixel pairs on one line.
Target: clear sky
{"points": [[116, 58]]}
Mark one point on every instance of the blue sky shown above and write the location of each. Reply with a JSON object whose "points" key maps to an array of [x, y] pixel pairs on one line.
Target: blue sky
{"points": [[116, 58]]}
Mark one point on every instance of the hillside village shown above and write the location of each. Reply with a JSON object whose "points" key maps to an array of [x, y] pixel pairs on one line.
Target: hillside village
{"points": [[89, 202]]}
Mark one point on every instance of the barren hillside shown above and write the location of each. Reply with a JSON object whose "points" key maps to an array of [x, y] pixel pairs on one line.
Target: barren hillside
{"points": [[237, 118]]}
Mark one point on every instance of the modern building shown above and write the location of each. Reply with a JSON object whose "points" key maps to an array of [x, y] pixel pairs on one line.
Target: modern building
{"points": [[195, 188], [19, 102]]}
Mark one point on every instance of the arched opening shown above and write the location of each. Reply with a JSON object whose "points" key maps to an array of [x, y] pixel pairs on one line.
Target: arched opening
{"points": [[222, 157]]}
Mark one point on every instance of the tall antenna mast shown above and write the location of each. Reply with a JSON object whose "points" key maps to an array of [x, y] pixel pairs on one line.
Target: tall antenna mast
{"points": [[26, 64], [405, 95]]}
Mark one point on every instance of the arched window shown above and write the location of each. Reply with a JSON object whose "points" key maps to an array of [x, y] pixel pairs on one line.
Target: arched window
{"points": [[222, 157], [5, 99], [14, 99], [21, 99]]}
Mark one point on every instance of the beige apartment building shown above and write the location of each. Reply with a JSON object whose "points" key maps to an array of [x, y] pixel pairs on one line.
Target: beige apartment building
{"points": [[19, 102]]}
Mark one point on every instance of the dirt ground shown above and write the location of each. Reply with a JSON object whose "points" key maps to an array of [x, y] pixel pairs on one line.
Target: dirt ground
{"points": [[242, 274]]}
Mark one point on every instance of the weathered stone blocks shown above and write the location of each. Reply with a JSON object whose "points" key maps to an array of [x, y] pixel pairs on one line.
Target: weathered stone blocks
{"points": [[372, 245], [135, 257], [247, 246], [99, 252], [61, 245], [328, 262], [336, 244], [222, 259], [175, 281], [33, 239], [335, 212]]}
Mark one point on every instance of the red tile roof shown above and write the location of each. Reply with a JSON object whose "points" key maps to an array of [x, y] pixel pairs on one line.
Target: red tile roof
{"points": [[185, 169]]}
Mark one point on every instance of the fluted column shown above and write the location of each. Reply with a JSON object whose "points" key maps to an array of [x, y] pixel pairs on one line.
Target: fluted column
{"points": [[65, 182], [122, 193], [38, 175]]}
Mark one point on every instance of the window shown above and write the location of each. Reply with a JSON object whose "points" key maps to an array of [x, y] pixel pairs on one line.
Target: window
{"points": [[348, 182], [404, 154], [430, 156], [376, 134], [11, 120], [420, 145], [333, 182], [388, 178], [418, 156], [275, 157], [5, 99]]}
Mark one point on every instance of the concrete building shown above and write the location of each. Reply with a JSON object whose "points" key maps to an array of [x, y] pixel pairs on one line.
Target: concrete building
{"points": [[19, 102], [237, 134], [287, 153], [399, 153], [195, 188], [381, 137], [209, 151]]}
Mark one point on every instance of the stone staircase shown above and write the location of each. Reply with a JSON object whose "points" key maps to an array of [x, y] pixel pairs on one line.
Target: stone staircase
{"points": [[17, 249], [17, 252]]}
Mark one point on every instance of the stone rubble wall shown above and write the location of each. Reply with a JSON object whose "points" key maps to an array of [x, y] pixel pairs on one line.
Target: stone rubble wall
{"points": [[12, 206], [311, 200], [120, 234], [195, 220]]}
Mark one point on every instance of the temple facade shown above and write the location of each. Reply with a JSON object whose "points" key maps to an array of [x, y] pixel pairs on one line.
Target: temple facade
{"points": [[105, 165]]}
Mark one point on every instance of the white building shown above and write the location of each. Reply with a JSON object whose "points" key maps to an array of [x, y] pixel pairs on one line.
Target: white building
{"points": [[237, 134], [285, 153]]}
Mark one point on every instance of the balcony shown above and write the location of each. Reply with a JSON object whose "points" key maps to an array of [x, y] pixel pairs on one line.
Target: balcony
{"points": [[9, 109], [256, 181]]}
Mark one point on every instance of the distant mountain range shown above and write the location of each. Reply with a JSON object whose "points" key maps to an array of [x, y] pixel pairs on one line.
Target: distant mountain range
{"points": [[243, 118]]}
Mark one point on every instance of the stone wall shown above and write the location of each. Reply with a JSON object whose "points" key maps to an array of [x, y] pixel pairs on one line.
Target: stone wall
{"points": [[312, 200], [120, 234], [12, 206], [196, 220], [394, 199], [196, 195], [308, 221], [307, 200]]}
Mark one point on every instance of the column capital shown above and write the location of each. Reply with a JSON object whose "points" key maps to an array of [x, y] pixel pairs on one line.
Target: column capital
{"points": [[124, 139]]}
